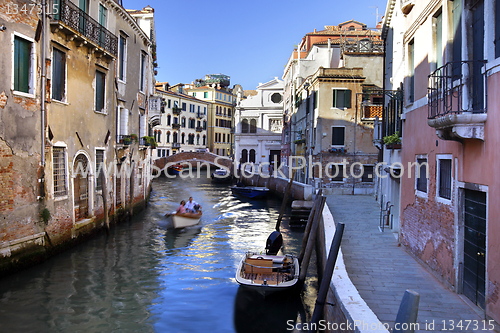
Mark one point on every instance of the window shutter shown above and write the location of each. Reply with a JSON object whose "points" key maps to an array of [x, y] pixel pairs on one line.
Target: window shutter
{"points": [[347, 99], [338, 135], [21, 64]]}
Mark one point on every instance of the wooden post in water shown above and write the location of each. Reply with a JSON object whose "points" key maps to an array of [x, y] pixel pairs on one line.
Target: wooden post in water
{"points": [[307, 230], [105, 199], [285, 200], [131, 203], [311, 240], [327, 276]]}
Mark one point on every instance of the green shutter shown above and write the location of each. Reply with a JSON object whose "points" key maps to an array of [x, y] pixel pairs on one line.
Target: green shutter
{"points": [[334, 98], [347, 98], [99, 93], [58, 75], [22, 50]]}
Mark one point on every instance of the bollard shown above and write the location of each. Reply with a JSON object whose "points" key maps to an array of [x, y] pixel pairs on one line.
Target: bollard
{"points": [[407, 314]]}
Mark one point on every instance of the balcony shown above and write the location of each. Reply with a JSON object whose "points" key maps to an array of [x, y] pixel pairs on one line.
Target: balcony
{"points": [[373, 111], [456, 101], [78, 25], [124, 139], [176, 111], [199, 116], [199, 129], [176, 145], [176, 126]]}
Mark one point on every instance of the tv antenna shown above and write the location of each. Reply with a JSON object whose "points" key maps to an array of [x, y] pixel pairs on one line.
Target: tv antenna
{"points": [[376, 15]]}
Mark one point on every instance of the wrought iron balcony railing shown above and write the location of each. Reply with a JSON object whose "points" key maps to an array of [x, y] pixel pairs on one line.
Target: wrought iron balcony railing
{"points": [[199, 129], [176, 126], [176, 110], [457, 87], [73, 17], [124, 139], [176, 145]]}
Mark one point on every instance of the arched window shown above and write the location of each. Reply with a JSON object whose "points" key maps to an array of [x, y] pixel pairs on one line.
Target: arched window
{"points": [[217, 110], [198, 139], [169, 119], [204, 124], [81, 187], [252, 155], [352, 28], [183, 138], [159, 136], [229, 112], [175, 137], [168, 137], [224, 137], [253, 126], [224, 111], [204, 140], [183, 124], [244, 126], [191, 139], [244, 156], [198, 124]]}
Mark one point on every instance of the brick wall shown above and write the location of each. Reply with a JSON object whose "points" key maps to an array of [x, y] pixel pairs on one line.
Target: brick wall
{"points": [[6, 178]]}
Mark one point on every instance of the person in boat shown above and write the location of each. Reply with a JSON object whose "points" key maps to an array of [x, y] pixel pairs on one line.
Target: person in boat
{"points": [[182, 208], [192, 206]]}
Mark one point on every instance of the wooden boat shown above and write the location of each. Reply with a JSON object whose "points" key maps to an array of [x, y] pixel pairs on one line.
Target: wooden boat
{"points": [[268, 273], [174, 169], [252, 192], [221, 176], [186, 219]]}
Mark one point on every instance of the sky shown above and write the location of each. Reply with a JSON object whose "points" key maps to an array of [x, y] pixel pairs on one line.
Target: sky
{"points": [[251, 41]]}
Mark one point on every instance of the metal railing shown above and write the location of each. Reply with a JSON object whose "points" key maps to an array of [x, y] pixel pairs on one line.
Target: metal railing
{"points": [[457, 87], [124, 139], [75, 18]]}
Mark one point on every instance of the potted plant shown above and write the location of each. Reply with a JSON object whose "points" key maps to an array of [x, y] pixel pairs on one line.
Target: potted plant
{"points": [[133, 137], [126, 140], [393, 141], [340, 150]]}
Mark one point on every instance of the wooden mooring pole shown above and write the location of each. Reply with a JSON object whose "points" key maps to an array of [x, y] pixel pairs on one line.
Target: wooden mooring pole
{"points": [[308, 226], [327, 276], [311, 240]]}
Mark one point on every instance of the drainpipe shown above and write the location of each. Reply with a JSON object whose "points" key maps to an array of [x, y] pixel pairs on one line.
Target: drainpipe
{"points": [[42, 97]]}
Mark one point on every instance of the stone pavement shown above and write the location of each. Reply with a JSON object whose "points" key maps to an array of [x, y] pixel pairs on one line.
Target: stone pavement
{"points": [[382, 271]]}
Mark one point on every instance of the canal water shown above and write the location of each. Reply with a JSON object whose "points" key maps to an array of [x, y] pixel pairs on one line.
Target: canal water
{"points": [[146, 277]]}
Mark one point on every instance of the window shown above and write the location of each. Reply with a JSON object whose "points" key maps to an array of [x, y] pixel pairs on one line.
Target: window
{"points": [[244, 156], [337, 172], [100, 85], [367, 176], [142, 84], [183, 138], [169, 120], [497, 28], [341, 98], [438, 38], [421, 174], [205, 110], [99, 167], [253, 126], [167, 136], [122, 58], [169, 104], [338, 136], [58, 75], [183, 122], [59, 171], [205, 94], [204, 140], [123, 121], [244, 126], [457, 37], [183, 106], [103, 14], [251, 157], [204, 124], [411, 71], [444, 178], [276, 98], [23, 65]]}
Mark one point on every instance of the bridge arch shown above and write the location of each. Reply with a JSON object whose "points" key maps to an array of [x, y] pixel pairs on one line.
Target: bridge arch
{"points": [[195, 157]]}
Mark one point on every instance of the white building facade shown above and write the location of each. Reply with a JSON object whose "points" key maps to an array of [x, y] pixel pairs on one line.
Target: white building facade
{"points": [[259, 123]]}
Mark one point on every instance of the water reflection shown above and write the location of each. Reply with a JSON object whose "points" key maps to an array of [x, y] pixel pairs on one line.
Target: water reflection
{"points": [[275, 313], [145, 277]]}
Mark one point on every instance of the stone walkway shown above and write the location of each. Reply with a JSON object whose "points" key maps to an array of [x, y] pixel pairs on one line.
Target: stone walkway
{"points": [[382, 271]]}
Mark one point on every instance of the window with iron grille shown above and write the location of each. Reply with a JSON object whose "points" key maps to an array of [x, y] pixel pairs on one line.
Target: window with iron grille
{"points": [[421, 173], [59, 171], [337, 171], [367, 176], [99, 167], [338, 136], [444, 178]]}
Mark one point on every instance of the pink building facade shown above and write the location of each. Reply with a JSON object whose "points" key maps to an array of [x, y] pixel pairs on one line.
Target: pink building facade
{"points": [[448, 217]]}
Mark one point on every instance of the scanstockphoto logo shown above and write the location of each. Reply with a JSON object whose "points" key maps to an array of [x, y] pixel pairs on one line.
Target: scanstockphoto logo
{"points": [[333, 170]]}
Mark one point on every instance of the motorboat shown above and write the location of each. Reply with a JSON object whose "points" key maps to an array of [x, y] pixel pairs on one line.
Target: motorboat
{"points": [[268, 273], [252, 192], [221, 176], [174, 169]]}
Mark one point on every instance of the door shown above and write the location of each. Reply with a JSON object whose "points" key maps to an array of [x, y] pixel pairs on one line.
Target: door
{"points": [[475, 247], [84, 9], [477, 55], [80, 185], [275, 158]]}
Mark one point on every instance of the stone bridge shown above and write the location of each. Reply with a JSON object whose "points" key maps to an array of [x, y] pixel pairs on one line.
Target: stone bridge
{"points": [[194, 158]]}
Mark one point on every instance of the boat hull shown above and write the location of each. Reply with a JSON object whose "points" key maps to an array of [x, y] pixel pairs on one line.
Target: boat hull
{"points": [[185, 220], [267, 283], [251, 192]]}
